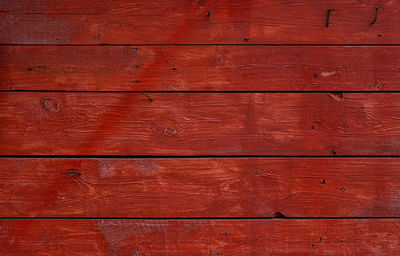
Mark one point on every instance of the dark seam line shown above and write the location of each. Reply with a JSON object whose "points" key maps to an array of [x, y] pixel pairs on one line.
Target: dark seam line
{"points": [[48, 13], [168, 92], [186, 157], [205, 44], [196, 218]]}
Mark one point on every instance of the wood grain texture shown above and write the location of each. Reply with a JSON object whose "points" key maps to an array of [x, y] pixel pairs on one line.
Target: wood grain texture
{"points": [[45, 123], [199, 237], [196, 68], [171, 188], [199, 22]]}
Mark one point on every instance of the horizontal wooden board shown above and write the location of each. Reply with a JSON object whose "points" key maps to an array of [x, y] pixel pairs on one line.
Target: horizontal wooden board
{"points": [[196, 68], [199, 22], [171, 188], [199, 237], [167, 124]]}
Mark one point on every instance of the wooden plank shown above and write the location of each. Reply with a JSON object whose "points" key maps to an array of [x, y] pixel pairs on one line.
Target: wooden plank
{"points": [[196, 68], [171, 188], [200, 22], [200, 237], [48, 123]]}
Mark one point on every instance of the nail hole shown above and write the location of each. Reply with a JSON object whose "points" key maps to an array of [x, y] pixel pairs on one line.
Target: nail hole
{"points": [[323, 181]]}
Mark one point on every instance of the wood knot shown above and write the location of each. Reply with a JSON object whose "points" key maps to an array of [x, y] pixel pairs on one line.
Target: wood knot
{"points": [[50, 105], [220, 60], [169, 131]]}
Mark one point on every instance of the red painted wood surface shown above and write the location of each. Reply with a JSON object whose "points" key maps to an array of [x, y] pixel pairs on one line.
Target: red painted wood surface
{"points": [[193, 47], [200, 237], [48, 123], [172, 188], [196, 68], [199, 22]]}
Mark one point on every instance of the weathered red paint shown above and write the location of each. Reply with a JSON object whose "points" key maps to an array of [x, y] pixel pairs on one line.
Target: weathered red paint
{"points": [[199, 22], [173, 188], [202, 45], [225, 124], [199, 237], [197, 68]]}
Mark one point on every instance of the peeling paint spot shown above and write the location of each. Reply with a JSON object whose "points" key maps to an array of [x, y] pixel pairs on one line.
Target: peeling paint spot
{"points": [[325, 74], [378, 85], [337, 96]]}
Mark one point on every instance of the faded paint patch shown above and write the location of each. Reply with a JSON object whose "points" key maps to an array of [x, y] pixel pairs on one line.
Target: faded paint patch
{"points": [[146, 167], [105, 168], [116, 231]]}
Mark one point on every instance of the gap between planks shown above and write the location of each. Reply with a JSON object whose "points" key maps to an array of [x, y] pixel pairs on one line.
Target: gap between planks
{"points": [[185, 157], [216, 92], [272, 45], [200, 218]]}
